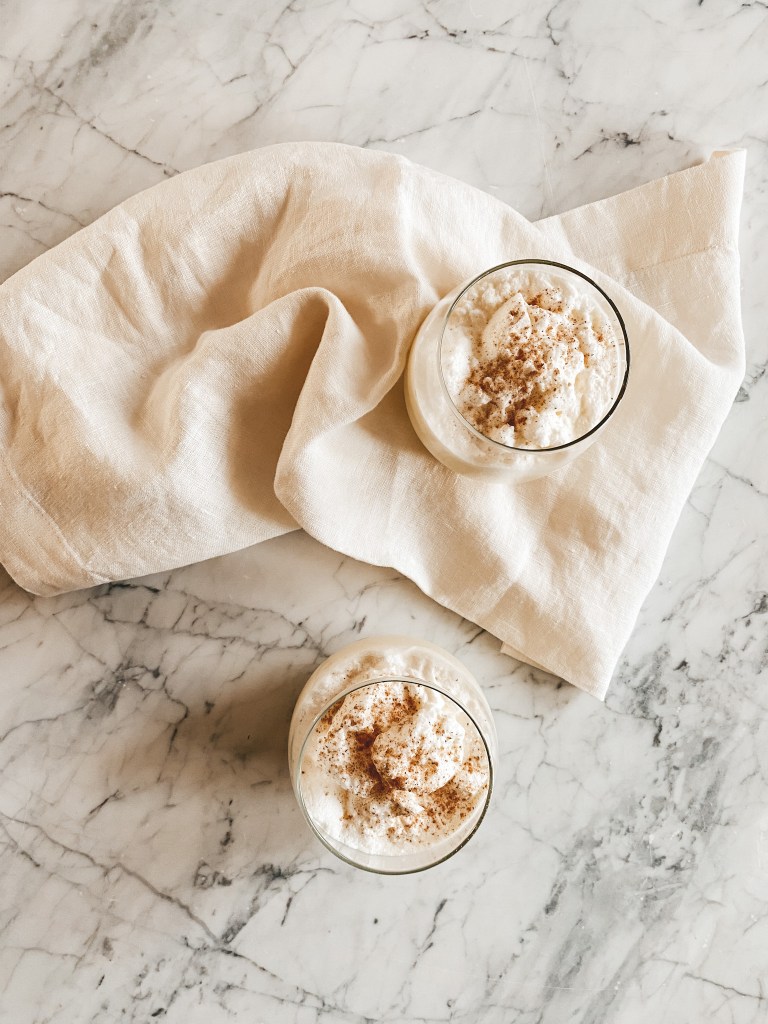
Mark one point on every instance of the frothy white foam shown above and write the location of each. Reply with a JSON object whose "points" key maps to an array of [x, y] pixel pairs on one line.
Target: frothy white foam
{"points": [[530, 360], [393, 766]]}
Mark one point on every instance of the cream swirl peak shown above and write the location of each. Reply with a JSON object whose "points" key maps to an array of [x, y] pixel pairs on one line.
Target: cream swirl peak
{"points": [[392, 749], [529, 360], [392, 766]]}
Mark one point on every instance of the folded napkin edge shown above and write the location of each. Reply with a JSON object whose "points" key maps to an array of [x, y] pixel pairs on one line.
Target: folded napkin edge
{"points": [[22, 516], [722, 173], [598, 691]]}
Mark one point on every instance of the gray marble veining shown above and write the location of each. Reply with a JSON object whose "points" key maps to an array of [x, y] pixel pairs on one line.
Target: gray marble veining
{"points": [[154, 864]]}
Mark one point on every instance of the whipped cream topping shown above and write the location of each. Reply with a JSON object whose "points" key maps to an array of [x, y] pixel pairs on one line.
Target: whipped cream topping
{"points": [[393, 765], [529, 359]]}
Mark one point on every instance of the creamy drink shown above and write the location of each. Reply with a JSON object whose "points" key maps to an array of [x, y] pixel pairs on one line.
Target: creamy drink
{"points": [[391, 749], [516, 372]]}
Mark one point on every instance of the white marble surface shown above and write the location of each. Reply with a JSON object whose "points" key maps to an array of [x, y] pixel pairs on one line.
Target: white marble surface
{"points": [[154, 865]]}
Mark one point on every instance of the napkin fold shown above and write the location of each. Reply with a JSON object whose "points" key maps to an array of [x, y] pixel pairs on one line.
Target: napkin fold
{"points": [[218, 360]]}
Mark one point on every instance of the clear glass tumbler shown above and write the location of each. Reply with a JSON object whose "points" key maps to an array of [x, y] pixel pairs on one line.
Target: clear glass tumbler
{"points": [[440, 424], [427, 672]]}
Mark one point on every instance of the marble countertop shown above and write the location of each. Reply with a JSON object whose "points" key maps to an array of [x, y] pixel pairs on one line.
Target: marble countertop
{"points": [[154, 864]]}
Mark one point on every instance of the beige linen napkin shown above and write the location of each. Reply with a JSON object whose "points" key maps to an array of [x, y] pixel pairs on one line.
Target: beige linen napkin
{"points": [[218, 359]]}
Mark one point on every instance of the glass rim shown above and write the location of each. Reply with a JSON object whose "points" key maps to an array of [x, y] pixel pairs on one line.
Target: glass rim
{"points": [[393, 857], [553, 448]]}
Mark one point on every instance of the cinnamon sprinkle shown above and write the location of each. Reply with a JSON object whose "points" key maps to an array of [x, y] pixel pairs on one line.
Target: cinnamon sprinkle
{"points": [[517, 370], [403, 799], [522, 374]]}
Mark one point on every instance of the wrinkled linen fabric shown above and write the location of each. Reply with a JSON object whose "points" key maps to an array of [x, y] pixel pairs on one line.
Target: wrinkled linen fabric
{"points": [[218, 360]]}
